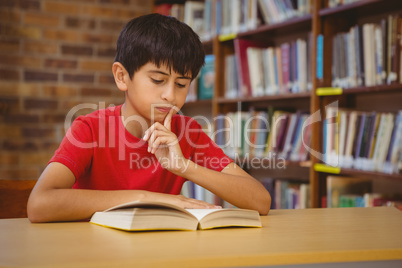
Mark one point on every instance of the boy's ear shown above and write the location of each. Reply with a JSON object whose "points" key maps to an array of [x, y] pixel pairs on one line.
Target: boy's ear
{"points": [[121, 76]]}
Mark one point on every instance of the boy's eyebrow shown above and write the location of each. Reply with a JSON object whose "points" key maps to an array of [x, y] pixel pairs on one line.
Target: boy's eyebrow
{"points": [[160, 72]]}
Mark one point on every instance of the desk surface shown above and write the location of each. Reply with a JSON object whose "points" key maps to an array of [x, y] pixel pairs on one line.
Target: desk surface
{"points": [[287, 237]]}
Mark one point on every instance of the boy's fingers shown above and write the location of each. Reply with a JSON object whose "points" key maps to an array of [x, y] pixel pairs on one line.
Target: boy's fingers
{"points": [[168, 119]]}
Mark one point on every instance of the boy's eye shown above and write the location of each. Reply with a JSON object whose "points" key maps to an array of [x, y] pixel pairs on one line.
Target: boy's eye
{"points": [[180, 85], [156, 81]]}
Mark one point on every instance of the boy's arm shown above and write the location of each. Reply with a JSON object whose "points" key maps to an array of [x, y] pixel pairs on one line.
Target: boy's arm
{"points": [[53, 198], [232, 184]]}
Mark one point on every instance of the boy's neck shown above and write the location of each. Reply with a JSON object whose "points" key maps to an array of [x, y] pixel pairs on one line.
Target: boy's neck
{"points": [[134, 127]]}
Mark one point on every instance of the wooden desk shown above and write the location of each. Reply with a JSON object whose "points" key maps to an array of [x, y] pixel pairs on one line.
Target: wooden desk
{"points": [[287, 237]]}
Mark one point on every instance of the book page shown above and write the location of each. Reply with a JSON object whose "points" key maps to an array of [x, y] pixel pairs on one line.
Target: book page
{"points": [[201, 213]]}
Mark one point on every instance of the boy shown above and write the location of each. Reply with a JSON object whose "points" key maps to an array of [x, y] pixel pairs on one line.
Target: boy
{"points": [[141, 150]]}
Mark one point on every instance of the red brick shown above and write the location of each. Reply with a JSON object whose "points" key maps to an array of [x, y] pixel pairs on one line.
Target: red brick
{"points": [[116, 93], [19, 89], [40, 104], [50, 146], [61, 63], [77, 50], [40, 76], [29, 4], [9, 45], [9, 75], [41, 19], [8, 16], [59, 91], [106, 79], [20, 145], [80, 78], [7, 159], [124, 2], [29, 159], [128, 14], [96, 65], [112, 25], [54, 118], [109, 52], [9, 105], [21, 31], [61, 7], [69, 104], [22, 118], [66, 35], [99, 11], [100, 92], [19, 174], [7, 131], [37, 132], [97, 38], [40, 48], [7, 3], [16, 60], [80, 23]]}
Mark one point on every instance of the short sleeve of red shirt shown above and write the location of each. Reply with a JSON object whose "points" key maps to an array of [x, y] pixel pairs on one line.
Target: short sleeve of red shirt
{"points": [[204, 151], [76, 149]]}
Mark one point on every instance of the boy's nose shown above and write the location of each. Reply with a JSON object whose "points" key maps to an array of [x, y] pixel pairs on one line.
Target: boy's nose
{"points": [[168, 93]]}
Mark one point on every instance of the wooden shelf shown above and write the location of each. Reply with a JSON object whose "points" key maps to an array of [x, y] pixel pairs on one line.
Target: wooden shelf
{"points": [[358, 173], [360, 90], [208, 46], [374, 89], [303, 95], [159, 2], [291, 25], [368, 7]]}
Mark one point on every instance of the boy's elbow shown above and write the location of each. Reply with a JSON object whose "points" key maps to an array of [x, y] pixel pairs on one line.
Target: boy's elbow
{"points": [[35, 210], [265, 205]]}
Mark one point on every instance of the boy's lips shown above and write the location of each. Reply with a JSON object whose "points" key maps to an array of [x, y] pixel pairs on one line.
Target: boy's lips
{"points": [[164, 109]]}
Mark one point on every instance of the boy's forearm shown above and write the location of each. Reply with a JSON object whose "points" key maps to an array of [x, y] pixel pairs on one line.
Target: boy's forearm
{"points": [[76, 204], [241, 191]]}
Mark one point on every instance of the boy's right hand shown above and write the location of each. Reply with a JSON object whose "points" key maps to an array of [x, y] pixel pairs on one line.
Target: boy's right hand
{"points": [[185, 202]]}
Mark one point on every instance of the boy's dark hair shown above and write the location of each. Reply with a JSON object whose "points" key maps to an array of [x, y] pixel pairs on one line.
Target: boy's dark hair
{"points": [[161, 40]]}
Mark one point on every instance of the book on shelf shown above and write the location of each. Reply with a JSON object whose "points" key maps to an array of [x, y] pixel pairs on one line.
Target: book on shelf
{"points": [[163, 9], [231, 77], [193, 90], [335, 3], [270, 134], [235, 16], [368, 54], [212, 18], [270, 70], [279, 11], [206, 79], [192, 190], [194, 16], [146, 216], [377, 199], [240, 47], [338, 186], [288, 194], [369, 141]]}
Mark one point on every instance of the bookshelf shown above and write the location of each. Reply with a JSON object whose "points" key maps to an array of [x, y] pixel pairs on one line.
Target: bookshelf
{"points": [[322, 21], [380, 97]]}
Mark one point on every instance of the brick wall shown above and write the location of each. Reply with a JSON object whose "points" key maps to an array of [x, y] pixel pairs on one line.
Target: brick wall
{"points": [[54, 55]]}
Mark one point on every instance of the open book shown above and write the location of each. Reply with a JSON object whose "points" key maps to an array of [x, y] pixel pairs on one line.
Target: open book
{"points": [[143, 216]]}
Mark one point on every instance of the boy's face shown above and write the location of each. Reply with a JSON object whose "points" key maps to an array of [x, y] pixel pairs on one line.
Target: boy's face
{"points": [[153, 91]]}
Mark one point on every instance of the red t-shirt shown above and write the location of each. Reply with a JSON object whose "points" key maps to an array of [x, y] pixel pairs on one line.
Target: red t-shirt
{"points": [[103, 155]]}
